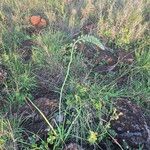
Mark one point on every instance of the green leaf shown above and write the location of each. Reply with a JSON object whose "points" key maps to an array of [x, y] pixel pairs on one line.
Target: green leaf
{"points": [[93, 40]]}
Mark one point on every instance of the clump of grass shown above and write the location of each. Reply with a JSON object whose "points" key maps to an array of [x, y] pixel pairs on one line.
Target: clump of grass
{"points": [[122, 21], [21, 81], [47, 59], [142, 54], [10, 133]]}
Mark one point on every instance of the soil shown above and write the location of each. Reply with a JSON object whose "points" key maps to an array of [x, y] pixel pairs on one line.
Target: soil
{"points": [[45, 93], [132, 126], [49, 78], [125, 57], [106, 61], [122, 81], [32, 121], [25, 50], [88, 28], [32, 30]]}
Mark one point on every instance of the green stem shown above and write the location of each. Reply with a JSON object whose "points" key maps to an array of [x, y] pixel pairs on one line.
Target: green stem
{"points": [[66, 77]]}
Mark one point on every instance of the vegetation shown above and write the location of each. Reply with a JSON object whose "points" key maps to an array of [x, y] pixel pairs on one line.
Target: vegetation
{"points": [[87, 54]]}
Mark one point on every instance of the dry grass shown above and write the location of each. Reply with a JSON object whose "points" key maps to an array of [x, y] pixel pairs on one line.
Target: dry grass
{"points": [[122, 21]]}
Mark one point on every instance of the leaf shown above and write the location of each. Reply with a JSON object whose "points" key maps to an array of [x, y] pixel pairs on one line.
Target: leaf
{"points": [[93, 40]]}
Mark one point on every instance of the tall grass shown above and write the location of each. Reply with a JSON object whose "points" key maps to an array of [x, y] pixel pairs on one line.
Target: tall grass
{"points": [[122, 21]]}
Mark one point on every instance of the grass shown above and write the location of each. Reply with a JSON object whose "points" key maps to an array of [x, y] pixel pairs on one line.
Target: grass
{"points": [[10, 133], [20, 80], [59, 64]]}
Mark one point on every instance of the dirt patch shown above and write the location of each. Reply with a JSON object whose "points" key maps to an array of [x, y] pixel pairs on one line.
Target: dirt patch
{"points": [[122, 81], [105, 61], [31, 31], [125, 57], [45, 93], [32, 121], [99, 60], [25, 49], [88, 28], [131, 127], [50, 77]]}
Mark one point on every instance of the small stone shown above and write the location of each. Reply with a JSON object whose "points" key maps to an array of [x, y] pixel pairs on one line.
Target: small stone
{"points": [[59, 118], [73, 146], [38, 21]]}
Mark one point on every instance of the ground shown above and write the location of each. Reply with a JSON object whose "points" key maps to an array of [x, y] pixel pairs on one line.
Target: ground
{"points": [[74, 75]]}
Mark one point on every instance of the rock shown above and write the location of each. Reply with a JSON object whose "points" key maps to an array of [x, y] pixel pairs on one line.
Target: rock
{"points": [[38, 21], [132, 126], [73, 146], [32, 121], [37, 25], [35, 20]]}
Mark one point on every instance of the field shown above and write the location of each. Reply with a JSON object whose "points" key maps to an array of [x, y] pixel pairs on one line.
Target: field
{"points": [[74, 75]]}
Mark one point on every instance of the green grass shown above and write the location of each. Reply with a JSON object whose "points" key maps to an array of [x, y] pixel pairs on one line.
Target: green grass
{"points": [[21, 81], [10, 133]]}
